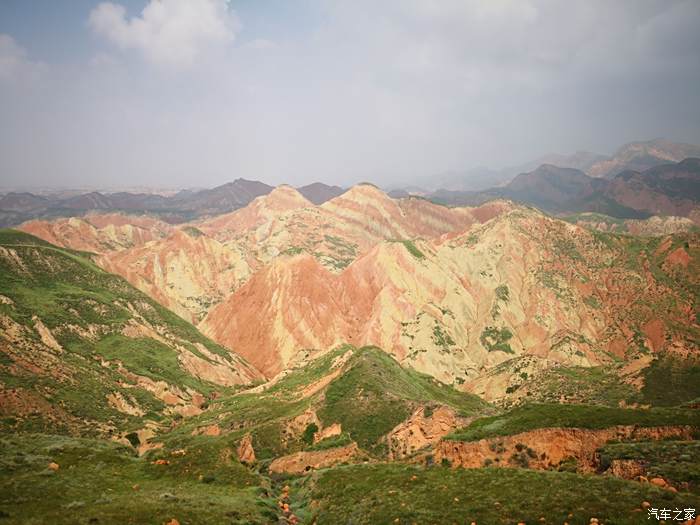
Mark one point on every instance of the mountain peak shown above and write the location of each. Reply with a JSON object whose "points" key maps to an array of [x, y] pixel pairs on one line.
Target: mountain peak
{"points": [[285, 197]]}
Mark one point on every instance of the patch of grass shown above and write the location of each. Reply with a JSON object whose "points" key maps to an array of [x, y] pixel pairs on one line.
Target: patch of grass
{"points": [[193, 232], [441, 338], [494, 339], [675, 461], [395, 493], [503, 293], [671, 381], [102, 482], [340, 440], [583, 385], [413, 249], [541, 415]]}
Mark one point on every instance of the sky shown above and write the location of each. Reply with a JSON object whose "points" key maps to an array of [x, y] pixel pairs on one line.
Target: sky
{"points": [[196, 93]]}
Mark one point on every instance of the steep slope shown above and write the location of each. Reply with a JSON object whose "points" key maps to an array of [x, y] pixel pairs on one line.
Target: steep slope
{"points": [[222, 199], [512, 297], [81, 351], [186, 271]]}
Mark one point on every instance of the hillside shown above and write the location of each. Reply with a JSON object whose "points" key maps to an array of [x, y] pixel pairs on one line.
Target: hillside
{"points": [[83, 352], [487, 310], [197, 265]]}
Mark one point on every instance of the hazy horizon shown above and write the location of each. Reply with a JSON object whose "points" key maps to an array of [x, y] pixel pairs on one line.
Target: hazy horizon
{"points": [[197, 93]]}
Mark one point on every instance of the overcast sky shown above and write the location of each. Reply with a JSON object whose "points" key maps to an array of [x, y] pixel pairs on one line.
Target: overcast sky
{"points": [[199, 92]]}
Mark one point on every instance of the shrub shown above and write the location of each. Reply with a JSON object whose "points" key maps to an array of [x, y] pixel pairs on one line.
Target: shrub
{"points": [[309, 432]]}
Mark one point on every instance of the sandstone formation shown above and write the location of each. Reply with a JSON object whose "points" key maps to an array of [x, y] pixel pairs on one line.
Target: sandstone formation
{"points": [[245, 451], [548, 447], [303, 462], [424, 428]]}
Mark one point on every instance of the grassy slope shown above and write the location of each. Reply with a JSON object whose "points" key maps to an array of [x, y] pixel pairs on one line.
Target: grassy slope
{"points": [[64, 288], [101, 482], [372, 396], [675, 461], [394, 493], [533, 416], [376, 394]]}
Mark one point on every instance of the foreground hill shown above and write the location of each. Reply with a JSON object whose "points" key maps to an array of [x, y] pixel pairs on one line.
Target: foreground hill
{"points": [[351, 437], [83, 352]]}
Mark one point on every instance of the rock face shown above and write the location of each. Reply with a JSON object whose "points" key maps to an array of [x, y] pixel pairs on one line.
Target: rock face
{"points": [[332, 430], [303, 462], [245, 451], [521, 285], [186, 272], [626, 468], [424, 428], [548, 447]]}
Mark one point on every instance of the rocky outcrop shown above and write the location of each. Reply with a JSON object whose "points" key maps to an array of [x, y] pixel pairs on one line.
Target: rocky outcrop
{"points": [[548, 447], [303, 462], [626, 468], [330, 431], [425, 427], [245, 451], [209, 430]]}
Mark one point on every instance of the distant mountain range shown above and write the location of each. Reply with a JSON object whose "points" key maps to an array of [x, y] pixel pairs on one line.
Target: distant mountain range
{"points": [[16, 208], [668, 189], [641, 179], [638, 156]]}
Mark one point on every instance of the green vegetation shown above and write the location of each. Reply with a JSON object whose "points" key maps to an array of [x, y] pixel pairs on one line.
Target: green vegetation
{"points": [[309, 432], [503, 293], [395, 493], [148, 357], [535, 415], [675, 461], [102, 482], [494, 339], [375, 394], [87, 311], [193, 232], [594, 385], [441, 338], [413, 249], [671, 381], [332, 442]]}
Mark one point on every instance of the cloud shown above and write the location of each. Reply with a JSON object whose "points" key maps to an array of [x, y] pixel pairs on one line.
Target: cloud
{"points": [[14, 63], [171, 33]]}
